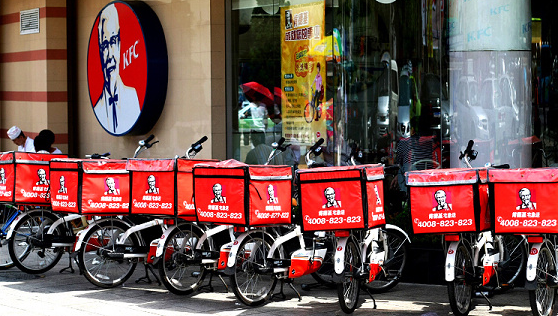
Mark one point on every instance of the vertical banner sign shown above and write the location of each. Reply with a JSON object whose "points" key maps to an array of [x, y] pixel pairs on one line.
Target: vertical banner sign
{"points": [[303, 71]]}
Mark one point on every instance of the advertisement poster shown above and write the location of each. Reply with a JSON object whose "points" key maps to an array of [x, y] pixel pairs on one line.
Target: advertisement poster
{"points": [[303, 72]]}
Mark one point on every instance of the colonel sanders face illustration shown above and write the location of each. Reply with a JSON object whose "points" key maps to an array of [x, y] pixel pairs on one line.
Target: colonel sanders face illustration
{"points": [[2, 176], [111, 186], [218, 194], [62, 185], [329, 194], [526, 203], [152, 183], [271, 193], [42, 177], [441, 197]]}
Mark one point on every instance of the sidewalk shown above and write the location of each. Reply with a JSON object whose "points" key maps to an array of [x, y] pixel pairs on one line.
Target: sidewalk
{"points": [[71, 294]]}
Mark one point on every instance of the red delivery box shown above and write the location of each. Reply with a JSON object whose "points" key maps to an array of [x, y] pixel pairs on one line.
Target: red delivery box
{"points": [[523, 200], [231, 192], [90, 187], [185, 187], [25, 178], [449, 200], [334, 198], [64, 174], [152, 186]]}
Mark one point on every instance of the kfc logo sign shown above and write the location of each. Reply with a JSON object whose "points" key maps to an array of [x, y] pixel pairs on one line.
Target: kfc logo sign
{"points": [[127, 68]]}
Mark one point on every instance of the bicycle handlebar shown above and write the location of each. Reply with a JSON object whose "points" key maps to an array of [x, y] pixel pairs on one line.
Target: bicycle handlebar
{"points": [[150, 138], [278, 148], [144, 144], [314, 150], [502, 166], [195, 148], [98, 156], [468, 150], [469, 153], [316, 145]]}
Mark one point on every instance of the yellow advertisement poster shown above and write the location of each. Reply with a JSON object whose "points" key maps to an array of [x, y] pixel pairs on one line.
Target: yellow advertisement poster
{"points": [[303, 71]]}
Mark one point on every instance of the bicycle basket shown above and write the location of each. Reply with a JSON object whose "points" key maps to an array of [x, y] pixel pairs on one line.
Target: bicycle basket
{"points": [[523, 200], [335, 198], [449, 200]]}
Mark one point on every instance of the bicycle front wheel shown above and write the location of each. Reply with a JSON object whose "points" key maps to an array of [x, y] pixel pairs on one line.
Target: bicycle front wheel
{"points": [[349, 289], [28, 247], [251, 285], [8, 214], [460, 290], [180, 271], [94, 255], [392, 268], [543, 298]]}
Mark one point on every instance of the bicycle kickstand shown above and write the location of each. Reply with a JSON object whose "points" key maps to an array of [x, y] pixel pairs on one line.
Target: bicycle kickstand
{"points": [[209, 286], [146, 278], [224, 283], [487, 300], [69, 267], [282, 293], [372, 297]]}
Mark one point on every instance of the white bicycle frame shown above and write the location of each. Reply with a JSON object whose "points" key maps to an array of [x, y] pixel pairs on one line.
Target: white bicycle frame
{"points": [[533, 257], [295, 233], [94, 225], [485, 241], [207, 234], [373, 236], [54, 225]]}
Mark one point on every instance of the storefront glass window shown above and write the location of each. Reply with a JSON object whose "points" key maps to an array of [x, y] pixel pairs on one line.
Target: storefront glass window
{"points": [[305, 70]]}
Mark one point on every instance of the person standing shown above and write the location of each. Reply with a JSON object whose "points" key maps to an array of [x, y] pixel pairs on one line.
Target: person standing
{"points": [[24, 143]]}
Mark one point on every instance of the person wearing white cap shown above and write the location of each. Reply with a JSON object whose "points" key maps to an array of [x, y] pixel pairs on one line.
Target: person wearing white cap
{"points": [[23, 142]]}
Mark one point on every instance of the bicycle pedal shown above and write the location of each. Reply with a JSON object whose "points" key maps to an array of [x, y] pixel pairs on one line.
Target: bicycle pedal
{"points": [[208, 254], [115, 255], [61, 239], [281, 263]]}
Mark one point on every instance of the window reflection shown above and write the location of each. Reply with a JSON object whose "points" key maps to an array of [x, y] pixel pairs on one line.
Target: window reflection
{"points": [[389, 74]]}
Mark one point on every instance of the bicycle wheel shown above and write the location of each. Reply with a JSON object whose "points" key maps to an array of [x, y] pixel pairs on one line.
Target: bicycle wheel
{"points": [[27, 244], [348, 290], [515, 258], [308, 113], [393, 266], [180, 272], [542, 299], [94, 261], [460, 290], [8, 213], [250, 285]]}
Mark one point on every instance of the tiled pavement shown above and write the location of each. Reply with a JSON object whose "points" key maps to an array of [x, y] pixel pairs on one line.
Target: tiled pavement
{"points": [[71, 294]]}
